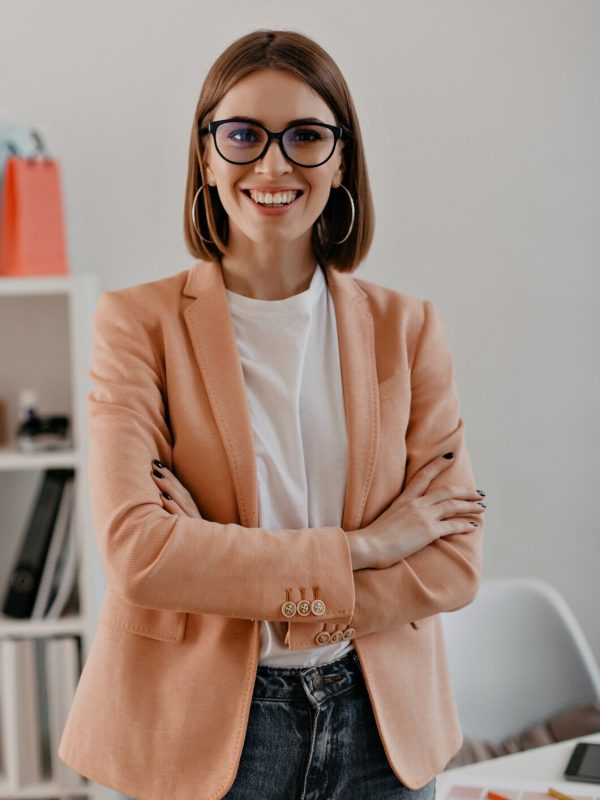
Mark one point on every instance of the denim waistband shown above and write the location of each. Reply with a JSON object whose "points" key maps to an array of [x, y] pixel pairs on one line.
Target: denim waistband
{"points": [[318, 683]]}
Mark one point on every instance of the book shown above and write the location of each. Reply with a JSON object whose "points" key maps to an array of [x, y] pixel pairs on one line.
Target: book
{"points": [[26, 575], [58, 545]]}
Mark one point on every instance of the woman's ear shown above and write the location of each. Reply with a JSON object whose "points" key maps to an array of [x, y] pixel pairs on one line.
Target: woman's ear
{"points": [[338, 176], [339, 173], [208, 173]]}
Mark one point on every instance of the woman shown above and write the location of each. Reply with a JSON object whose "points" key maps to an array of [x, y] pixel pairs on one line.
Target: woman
{"points": [[281, 492]]}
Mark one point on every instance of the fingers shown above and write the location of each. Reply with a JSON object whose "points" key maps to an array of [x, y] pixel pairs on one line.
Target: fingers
{"points": [[175, 496], [171, 505], [447, 527], [170, 488], [452, 491], [452, 508], [161, 475], [165, 480], [420, 481]]}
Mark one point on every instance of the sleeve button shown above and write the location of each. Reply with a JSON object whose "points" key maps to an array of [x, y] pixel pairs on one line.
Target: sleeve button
{"points": [[322, 638], [288, 609], [337, 636], [303, 608], [349, 633], [318, 607]]}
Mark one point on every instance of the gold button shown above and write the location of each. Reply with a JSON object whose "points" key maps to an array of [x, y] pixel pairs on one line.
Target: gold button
{"points": [[349, 633], [288, 609], [322, 638], [318, 607], [303, 608], [337, 636]]}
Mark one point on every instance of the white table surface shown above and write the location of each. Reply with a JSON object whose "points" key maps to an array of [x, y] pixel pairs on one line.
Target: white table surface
{"points": [[546, 763]]}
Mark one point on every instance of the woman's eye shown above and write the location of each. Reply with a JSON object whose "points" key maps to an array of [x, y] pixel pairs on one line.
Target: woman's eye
{"points": [[312, 136], [244, 133]]}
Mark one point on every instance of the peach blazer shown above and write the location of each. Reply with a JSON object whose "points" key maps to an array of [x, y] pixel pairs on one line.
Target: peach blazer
{"points": [[162, 704]]}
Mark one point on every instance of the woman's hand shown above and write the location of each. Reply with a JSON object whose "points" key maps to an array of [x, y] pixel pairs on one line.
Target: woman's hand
{"points": [[415, 519], [175, 497]]}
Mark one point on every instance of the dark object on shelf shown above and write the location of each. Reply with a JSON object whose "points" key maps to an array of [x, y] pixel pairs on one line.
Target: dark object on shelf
{"points": [[24, 580], [40, 433]]}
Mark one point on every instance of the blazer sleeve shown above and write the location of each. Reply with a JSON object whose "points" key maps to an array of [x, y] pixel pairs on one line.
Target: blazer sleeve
{"points": [[445, 575], [160, 560]]}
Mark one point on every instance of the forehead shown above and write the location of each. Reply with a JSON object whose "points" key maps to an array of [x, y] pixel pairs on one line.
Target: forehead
{"points": [[273, 97]]}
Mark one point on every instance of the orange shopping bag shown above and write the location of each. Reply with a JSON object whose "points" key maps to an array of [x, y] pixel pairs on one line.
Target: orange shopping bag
{"points": [[32, 230]]}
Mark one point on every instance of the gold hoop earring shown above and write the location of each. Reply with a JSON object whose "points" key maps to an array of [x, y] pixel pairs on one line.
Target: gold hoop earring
{"points": [[341, 186], [196, 227]]}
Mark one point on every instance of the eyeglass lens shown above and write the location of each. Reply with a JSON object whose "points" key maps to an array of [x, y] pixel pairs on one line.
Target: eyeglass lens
{"points": [[306, 144]]}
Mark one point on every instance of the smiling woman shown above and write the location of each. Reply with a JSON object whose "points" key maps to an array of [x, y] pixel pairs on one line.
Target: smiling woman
{"points": [[281, 491]]}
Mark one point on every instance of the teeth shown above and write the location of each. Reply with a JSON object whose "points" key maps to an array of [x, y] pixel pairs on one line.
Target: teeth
{"points": [[266, 198]]}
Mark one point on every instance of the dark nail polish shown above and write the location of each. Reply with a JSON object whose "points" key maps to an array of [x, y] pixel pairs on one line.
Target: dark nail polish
{"points": [[449, 455], [158, 464], [168, 496], [474, 523], [157, 473], [481, 492], [482, 504]]}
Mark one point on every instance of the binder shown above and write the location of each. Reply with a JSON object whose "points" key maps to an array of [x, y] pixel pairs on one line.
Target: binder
{"points": [[25, 577]]}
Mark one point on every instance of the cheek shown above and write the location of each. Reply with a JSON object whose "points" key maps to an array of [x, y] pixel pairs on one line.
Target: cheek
{"points": [[227, 178], [317, 196]]}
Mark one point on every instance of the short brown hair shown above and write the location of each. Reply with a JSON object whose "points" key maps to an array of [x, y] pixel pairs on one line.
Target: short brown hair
{"points": [[304, 58]]}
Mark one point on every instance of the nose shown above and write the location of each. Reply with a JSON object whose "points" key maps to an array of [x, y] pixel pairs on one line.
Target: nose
{"points": [[274, 161]]}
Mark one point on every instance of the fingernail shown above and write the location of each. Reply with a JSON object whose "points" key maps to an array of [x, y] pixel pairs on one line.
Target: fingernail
{"points": [[481, 492], [473, 523], [168, 496], [482, 504], [158, 464], [449, 455], [158, 474]]}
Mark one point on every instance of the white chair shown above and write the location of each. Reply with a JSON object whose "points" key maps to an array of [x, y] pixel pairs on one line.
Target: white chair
{"points": [[517, 656]]}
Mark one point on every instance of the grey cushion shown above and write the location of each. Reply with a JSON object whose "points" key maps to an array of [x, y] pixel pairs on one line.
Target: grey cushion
{"points": [[569, 724]]}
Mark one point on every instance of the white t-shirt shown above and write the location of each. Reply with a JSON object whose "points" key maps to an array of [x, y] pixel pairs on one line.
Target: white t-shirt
{"points": [[290, 359]]}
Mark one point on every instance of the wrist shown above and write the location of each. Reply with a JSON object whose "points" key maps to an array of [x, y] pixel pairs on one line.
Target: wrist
{"points": [[359, 549]]}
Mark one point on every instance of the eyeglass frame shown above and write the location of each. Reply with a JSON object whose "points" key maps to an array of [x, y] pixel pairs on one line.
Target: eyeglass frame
{"points": [[212, 126]]}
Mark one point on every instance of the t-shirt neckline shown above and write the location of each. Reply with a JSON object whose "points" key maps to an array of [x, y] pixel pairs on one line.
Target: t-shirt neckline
{"points": [[303, 301]]}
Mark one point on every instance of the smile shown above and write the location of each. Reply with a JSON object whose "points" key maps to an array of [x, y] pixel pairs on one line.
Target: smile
{"points": [[270, 208]]}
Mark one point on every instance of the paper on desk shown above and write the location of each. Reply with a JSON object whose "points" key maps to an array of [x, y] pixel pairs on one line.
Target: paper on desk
{"points": [[476, 788]]}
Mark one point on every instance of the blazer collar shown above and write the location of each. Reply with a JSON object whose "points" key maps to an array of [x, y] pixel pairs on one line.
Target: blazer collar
{"points": [[215, 347]]}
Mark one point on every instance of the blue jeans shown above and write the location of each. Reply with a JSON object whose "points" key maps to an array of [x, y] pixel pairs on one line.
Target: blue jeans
{"points": [[312, 735]]}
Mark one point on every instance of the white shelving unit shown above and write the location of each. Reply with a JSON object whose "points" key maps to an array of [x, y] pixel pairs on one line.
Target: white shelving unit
{"points": [[45, 344]]}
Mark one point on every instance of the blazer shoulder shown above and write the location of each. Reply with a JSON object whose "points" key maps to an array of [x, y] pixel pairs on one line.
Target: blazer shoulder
{"points": [[377, 293], [385, 303], [145, 300]]}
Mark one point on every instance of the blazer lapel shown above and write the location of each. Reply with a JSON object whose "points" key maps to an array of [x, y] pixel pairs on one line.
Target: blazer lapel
{"points": [[214, 342], [215, 345], [356, 340]]}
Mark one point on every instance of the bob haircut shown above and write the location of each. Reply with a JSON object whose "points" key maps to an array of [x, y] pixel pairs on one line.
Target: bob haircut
{"points": [[305, 59]]}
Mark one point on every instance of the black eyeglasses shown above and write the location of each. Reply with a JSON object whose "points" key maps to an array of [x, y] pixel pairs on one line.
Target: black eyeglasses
{"points": [[242, 141]]}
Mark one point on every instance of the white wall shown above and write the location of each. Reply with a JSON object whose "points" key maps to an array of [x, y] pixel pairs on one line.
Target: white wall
{"points": [[482, 126]]}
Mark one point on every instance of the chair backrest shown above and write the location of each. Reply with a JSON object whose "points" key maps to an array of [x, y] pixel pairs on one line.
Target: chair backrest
{"points": [[517, 656]]}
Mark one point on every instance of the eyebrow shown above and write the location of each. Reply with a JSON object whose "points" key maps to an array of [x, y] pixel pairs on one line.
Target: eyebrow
{"points": [[300, 121]]}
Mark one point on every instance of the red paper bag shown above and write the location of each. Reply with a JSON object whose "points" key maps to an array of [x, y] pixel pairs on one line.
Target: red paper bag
{"points": [[32, 228]]}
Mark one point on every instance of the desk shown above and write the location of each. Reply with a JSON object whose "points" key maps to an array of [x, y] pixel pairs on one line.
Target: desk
{"points": [[539, 764]]}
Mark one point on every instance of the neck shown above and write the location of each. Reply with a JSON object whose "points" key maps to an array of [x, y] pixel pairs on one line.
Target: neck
{"points": [[268, 271]]}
